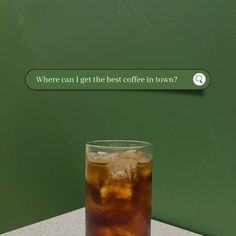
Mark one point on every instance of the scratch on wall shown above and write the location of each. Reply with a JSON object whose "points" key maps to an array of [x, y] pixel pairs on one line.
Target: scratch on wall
{"points": [[212, 132], [119, 7], [144, 20]]}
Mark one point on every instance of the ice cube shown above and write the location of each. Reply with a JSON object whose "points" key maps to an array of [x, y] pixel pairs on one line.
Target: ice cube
{"points": [[96, 173], [98, 157], [141, 157], [130, 153], [118, 184], [122, 167], [144, 170], [117, 189]]}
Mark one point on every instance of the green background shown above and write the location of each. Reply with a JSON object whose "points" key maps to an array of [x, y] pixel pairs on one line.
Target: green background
{"points": [[43, 132]]}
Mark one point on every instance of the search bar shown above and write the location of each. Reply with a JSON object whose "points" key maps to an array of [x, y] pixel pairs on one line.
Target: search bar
{"points": [[118, 79]]}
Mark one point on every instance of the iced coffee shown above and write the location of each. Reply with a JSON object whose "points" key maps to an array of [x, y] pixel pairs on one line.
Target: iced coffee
{"points": [[118, 188]]}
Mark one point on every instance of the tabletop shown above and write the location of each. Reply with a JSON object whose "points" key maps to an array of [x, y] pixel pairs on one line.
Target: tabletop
{"points": [[73, 224]]}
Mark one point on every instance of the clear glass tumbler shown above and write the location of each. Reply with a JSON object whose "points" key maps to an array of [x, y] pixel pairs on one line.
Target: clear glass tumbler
{"points": [[118, 188]]}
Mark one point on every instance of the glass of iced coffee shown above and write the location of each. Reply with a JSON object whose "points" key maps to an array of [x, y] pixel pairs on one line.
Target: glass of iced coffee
{"points": [[118, 188]]}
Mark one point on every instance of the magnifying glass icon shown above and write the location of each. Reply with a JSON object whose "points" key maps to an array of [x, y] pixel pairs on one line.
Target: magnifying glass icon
{"points": [[199, 79]]}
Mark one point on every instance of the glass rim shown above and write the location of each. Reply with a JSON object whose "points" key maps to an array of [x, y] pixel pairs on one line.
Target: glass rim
{"points": [[102, 144]]}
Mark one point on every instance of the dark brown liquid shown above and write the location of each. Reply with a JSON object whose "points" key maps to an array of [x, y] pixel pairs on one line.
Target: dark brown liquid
{"points": [[118, 198]]}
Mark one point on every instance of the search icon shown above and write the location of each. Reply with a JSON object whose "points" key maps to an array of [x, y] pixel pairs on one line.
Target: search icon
{"points": [[199, 79]]}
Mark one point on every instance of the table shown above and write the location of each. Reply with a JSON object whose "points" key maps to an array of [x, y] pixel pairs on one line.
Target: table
{"points": [[73, 224]]}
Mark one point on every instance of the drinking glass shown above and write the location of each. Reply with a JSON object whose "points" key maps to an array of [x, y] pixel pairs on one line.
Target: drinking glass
{"points": [[118, 188]]}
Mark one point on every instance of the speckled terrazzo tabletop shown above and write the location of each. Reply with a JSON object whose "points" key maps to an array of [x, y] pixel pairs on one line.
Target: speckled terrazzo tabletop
{"points": [[73, 224]]}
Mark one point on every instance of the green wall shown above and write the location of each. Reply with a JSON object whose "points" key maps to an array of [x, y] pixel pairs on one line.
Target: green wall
{"points": [[42, 133]]}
